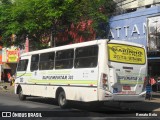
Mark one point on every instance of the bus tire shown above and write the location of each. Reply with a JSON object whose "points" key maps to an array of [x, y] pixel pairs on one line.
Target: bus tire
{"points": [[62, 101], [20, 95]]}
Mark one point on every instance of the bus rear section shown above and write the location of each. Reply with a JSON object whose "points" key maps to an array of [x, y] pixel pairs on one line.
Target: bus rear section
{"points": [[127, 70]]}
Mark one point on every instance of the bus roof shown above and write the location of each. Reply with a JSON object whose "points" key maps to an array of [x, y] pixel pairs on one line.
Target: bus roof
{"points": [[93, 42]]}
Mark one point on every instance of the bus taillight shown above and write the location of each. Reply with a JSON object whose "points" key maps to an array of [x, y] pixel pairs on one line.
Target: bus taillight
{"points": [[104, 80]]}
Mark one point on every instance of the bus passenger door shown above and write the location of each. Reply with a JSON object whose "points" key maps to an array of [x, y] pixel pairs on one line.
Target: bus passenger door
{"points": [[22, 76], [34, 70]]}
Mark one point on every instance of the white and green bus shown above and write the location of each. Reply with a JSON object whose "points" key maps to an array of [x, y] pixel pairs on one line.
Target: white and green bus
{"points": [[98, 70]]}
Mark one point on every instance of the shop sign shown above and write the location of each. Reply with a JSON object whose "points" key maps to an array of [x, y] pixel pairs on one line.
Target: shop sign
{"points": [[12, 56]]}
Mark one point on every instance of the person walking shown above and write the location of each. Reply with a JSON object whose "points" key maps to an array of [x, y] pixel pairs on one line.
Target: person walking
{"points": [[148, 91], [9, 78]]}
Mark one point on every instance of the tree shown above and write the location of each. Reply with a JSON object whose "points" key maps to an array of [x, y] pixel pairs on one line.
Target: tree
{"points": [[86, 20], [37, 19]]}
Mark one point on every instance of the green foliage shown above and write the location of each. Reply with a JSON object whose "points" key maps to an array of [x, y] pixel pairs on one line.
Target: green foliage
{"points": [[36, 17]]}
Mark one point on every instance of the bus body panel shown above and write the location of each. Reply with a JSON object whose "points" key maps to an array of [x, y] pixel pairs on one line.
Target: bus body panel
{"points": [[34, 85], [125, 79], [84, 84]]}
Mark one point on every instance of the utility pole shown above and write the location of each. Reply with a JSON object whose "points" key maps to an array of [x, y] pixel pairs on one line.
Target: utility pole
{"points": [[27, 44], [51, 38]]}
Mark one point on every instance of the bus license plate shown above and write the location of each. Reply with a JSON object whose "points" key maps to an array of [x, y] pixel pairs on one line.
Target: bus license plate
{"points": [[126, 87]]}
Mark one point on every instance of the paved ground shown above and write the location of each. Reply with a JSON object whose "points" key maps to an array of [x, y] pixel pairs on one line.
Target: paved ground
{"points": [[148, 105], [8, 89]]}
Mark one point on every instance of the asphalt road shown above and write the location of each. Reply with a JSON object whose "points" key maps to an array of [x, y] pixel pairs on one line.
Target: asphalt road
{"points": [[48, 108], [11, 102]]}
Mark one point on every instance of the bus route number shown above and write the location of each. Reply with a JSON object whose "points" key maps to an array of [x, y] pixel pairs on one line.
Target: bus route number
{"points": [[21, 79], [70, 77]]}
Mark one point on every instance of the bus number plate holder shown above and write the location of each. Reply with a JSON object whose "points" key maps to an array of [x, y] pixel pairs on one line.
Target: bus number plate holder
{"points": [[126, 87]]}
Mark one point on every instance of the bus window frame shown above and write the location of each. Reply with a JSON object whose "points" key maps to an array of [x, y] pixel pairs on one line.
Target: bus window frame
{"points": [[26, 65], [67, 58], [37, 63], [49, 63], [79, 60]]}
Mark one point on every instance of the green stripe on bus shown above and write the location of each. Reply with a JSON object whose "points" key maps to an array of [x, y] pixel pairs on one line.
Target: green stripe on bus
{"points": [[56, 72], [130, 82], [24, 74], [137, 74], [94, 82]]}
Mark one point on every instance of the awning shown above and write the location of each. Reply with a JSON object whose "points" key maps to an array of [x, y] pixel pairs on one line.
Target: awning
{"points": [[5, 66]]}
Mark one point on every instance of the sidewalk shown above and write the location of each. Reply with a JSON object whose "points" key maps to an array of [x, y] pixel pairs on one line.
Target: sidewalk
{"points": [[155, 97], [5, 87], [156, 94]]}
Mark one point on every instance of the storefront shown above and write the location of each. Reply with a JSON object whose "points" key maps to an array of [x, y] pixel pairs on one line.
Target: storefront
{"points": [[154, 68], [10, 58]]}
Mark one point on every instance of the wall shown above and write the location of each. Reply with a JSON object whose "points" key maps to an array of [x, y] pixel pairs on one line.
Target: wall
{"points": [[132, 26]]}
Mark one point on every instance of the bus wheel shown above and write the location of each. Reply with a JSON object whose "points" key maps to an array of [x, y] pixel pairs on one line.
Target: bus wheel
{"points": [[20, 95], [62, 101]]}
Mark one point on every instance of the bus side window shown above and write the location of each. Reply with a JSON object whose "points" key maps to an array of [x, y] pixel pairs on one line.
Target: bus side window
{"points": [[22, 65], [86, 57], [51, 58], [64, 59], [46, 61], [34, 62]]}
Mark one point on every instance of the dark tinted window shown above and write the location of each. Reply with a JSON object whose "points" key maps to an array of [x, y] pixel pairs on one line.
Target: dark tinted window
{"points": [[46, 61], [22, 65], [34, 62], [64, 59], [86, 57]]}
